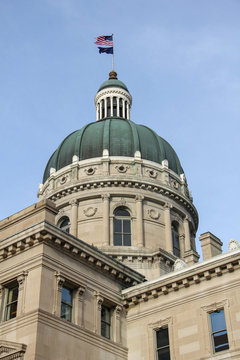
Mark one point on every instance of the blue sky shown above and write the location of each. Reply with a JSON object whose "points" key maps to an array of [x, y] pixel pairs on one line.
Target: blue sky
{"points": [[180, 61]]}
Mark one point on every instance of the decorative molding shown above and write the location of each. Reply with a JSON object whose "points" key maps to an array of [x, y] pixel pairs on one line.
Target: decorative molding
{"points": [[179, 265], [90, 171], [60, 280], [152, 173], [90, 211], [99, 300], [64, 179], [122, 168], [233, 245], [153, 214]]}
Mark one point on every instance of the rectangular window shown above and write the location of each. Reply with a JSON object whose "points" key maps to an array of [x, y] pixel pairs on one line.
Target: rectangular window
{"points": [[219, 331], [106, 322], [162, 340], [11, 302], [66, 303]]}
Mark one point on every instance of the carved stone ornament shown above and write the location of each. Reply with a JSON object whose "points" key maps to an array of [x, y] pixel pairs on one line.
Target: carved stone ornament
{"points": [[64, 179], [233, 245], [90, 211], [179, 265], [90, 171], [153, 214], [152, 173], [122, 168], [174, 184]]}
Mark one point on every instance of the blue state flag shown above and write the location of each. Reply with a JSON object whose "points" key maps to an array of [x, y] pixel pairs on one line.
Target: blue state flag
{"points": [[105, 50]]}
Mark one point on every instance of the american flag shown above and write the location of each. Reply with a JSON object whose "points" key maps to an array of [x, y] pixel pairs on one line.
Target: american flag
{"points": [[106, 40]]}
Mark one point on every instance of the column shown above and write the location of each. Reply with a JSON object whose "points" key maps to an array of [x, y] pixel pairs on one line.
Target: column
{"points": [[79, 306], [128, 113], [187, 234], [21, 279], [118, 106], [111, 106], [139, 212], [117, 328], [105, 107], [58, 294], [168, 228], [2, 295], [123, 109], [98, 309], [106, 226], [100, 116], [74, 218]]}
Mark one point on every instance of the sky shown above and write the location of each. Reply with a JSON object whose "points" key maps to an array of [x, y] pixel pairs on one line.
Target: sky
{"points": [[180, 60]]}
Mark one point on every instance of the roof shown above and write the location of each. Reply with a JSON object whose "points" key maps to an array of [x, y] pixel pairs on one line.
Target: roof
{"points": [[113, 82], [120, 137]]}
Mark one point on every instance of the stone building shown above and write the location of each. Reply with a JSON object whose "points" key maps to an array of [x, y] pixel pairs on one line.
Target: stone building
{"points": [[105, 265]]}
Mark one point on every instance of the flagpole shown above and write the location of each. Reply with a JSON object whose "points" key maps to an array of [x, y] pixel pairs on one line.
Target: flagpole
{"points": [[112, 56]]}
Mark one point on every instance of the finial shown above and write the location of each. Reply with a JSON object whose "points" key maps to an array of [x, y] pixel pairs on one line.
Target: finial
{"points": [[112, 75]]}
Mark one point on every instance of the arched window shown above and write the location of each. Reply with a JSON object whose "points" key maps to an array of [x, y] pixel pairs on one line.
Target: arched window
{"points": [[175, 239], [64, 224], [121, 227]]}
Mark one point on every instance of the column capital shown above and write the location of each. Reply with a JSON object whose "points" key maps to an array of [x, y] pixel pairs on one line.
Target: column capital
{"points": [[139, 198], [167, 206], [105, 196], [73, 202]]}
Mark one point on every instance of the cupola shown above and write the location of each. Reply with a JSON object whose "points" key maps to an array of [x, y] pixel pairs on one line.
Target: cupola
{"points": [[113, 99]]}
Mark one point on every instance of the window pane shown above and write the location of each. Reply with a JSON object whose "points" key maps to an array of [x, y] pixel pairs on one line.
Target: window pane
{"points": [[126, 226], [67, 296], [105, 330], [117, 239], [126, 240], [162, 338], [66, 312], [218, 321], [163, 354], [117, 225], [220, 341], [11, 311], [121, 212], [13, 294], [105, 314]]}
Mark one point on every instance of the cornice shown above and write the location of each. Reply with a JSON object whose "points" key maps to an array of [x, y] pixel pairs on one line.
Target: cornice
{"points": [[176, 281], [50, 234]]}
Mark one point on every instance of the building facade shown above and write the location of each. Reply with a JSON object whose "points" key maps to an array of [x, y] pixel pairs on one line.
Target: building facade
{"points": [[105, 266]]}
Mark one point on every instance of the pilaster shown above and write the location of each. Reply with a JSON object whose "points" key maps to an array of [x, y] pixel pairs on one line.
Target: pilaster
{"points": [[21, 279], [139, 212], [74, 217], [168, 228], [106, 226]]}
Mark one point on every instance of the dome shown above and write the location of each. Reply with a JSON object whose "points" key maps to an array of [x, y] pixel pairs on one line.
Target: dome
{"points": [[113, 83], [121, 137]]}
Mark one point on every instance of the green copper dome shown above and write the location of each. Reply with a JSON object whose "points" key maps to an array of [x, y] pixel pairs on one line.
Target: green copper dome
{"points": [[121, 137], [113, 82]]}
